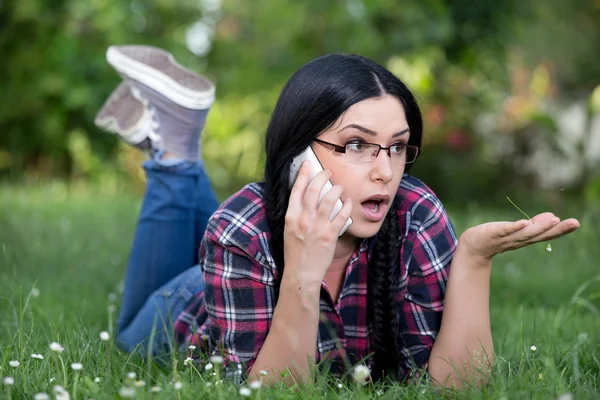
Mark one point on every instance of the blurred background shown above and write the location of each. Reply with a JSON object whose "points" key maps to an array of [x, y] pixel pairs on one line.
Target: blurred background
{"points": [[509, 89]]}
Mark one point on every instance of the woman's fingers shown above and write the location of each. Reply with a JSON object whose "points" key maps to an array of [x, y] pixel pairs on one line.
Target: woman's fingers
{"points": [[328, 202], [297, 193], [313, 191], [561, 229]]}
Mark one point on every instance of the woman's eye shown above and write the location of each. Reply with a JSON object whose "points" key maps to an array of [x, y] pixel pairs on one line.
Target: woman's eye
{"points": [[357, 147], [397, 148]]}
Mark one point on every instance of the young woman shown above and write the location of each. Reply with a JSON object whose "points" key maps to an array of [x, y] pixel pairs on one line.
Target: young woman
{"points": [[277, 289]]}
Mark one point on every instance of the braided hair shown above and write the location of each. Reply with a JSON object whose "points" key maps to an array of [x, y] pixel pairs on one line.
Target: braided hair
{"points": [[314, 98]]}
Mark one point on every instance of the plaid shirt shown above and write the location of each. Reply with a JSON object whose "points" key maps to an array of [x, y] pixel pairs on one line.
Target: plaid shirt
{"points": [[235, 310]]}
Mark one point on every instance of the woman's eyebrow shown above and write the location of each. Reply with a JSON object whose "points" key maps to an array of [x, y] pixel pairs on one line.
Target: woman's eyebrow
{"points": [[373, 133]]}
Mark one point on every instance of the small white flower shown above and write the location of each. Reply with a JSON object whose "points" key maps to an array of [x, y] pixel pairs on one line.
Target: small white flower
{"points": [[76, 366], [549, 247], [35, 292], [97, 379], [208, 384], [192, 347], [255, 385], [245, 392], [216, 360], [112, 297], [155, 389], [8, 381], [139, 383], [127, 392], [41, 396], [38, 356], [112, 308], [361, 374], [208, 367], [104, 336], [263, 372], [533, 349], [582, 337], [60, 393], [339, 385], [131, 375], [566, 396], [379, 393], [51, 379], [188, 361], [177, 385], [14, 363], [57, 348]]}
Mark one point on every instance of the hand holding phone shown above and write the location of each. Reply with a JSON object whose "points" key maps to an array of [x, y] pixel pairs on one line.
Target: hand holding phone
{"points": [[315, 168]]}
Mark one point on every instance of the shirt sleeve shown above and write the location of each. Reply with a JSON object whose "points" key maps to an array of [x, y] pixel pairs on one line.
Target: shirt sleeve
{"points": [[239, 295], [427, 254]]}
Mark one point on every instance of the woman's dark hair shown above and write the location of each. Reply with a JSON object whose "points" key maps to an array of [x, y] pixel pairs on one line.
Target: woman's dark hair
{"points": [[312, 101]]}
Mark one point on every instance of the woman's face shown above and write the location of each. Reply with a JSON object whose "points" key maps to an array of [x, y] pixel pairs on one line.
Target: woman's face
{"points": [[371, 186]]}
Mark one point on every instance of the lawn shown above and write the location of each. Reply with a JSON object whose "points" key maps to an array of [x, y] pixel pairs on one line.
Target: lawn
{"points": [[62, 258]]}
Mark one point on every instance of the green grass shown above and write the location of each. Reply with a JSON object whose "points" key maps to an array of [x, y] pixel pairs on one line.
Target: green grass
{"points": [[72, 245]]}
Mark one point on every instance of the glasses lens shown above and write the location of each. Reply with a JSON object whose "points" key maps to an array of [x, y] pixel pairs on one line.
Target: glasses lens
{"points": [[359, 153]]}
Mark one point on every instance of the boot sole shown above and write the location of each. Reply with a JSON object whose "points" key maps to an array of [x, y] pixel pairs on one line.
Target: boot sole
{"points": [[159, 81]]}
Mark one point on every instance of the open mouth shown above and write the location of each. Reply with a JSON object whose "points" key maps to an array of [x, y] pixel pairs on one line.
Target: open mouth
{"points": [[372, 205]]}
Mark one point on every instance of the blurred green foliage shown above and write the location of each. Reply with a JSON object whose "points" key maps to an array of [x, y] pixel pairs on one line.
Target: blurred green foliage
{"points": [[489, 76]]}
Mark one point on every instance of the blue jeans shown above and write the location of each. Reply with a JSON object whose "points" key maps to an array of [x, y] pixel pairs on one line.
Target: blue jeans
{"points": [[163, 271]]}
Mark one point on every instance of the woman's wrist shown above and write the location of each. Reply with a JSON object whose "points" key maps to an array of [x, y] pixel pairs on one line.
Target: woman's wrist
{"points": [[469, 255], [305, 290]]}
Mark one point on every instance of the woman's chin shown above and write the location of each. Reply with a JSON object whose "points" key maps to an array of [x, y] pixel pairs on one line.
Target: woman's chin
{"points": [[363, 229]]}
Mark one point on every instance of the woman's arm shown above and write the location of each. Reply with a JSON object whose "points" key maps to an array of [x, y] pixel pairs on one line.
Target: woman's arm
{"points": [[463, 350], [292, 340]]}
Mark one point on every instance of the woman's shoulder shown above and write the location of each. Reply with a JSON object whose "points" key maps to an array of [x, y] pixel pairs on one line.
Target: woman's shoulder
{"points": [[242, 216], [418, 199]]}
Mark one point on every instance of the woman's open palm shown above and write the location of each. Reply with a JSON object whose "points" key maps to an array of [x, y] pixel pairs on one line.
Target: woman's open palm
{"points": [[492, 238]]}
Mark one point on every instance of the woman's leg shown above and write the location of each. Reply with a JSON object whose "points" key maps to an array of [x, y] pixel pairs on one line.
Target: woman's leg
{"points": [[178, 202]]}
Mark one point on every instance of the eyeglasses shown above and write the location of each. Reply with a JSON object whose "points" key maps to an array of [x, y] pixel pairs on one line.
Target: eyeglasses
{"points": [[361, 153]]}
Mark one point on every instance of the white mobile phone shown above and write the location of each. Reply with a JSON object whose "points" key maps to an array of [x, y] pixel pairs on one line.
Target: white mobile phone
{"points": [[315, 168]]}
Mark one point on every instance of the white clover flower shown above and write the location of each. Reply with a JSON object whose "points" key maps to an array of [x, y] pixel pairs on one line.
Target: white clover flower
{"points": [[188, 361], [35, 292], [55, 347], [155, 389], [126, 392], [112, 308], [245, 392], [533, 349], [14, 363], [104, 336], [549, 247], [339, 385], [97, 379], [76, 366], [41, 396], [361, 374], [112, 297], [192, 347], [139, 383], [38, 356], [8, 381], [263, 372], [255, 385], [208, 367], [216, 360], [177, 385], [131, 375], [208, 384]]}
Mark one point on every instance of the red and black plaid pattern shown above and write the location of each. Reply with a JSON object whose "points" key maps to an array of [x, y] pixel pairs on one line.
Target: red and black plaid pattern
{"points": [[235, 311]]}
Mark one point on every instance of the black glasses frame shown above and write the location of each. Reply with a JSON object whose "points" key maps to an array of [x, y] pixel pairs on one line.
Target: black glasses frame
{"points": [[342, 149]]}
